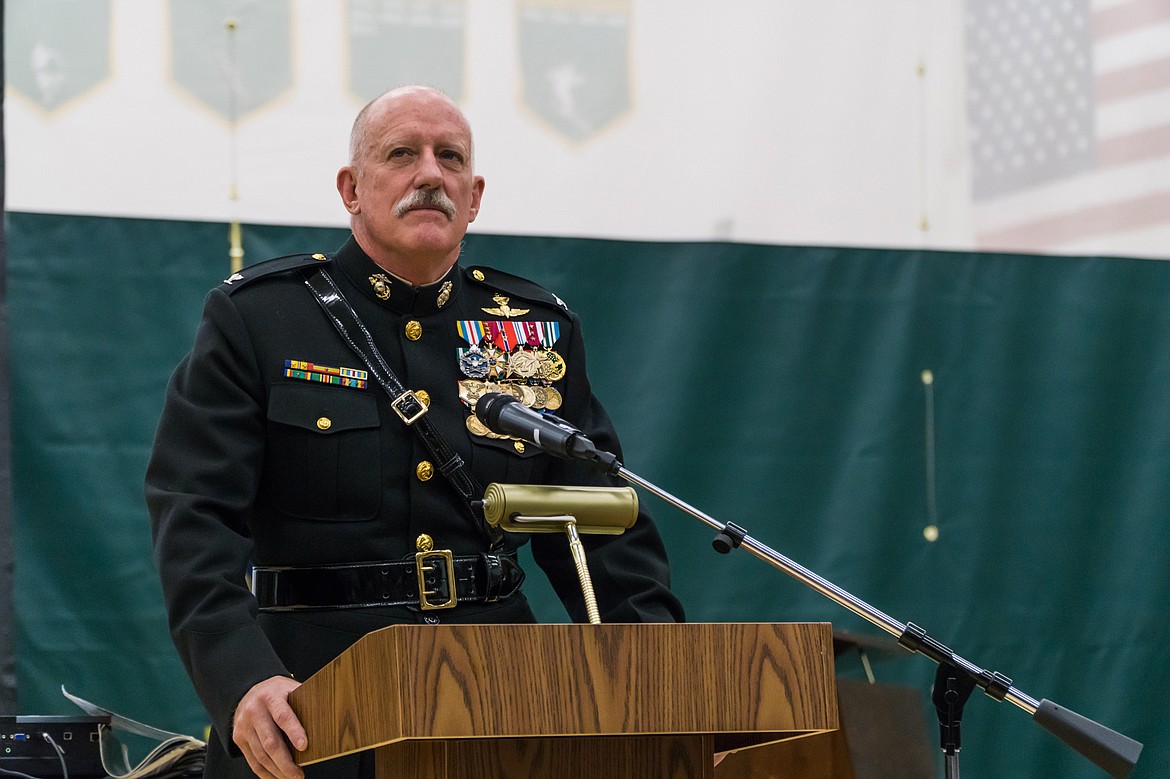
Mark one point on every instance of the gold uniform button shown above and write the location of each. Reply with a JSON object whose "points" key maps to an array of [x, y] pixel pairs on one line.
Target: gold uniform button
{"points": [[424, 543], [318, 257], [478, 275], [518, 446], [424, 471], [424, 397], [324, 423], [413, 330]]}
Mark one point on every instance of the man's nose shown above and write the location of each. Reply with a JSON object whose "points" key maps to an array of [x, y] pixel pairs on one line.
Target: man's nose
{"points": [[429, 173]]}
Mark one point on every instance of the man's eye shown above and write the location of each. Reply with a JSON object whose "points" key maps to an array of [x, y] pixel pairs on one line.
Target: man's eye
{"points": [[399, 153], [452, 156]]}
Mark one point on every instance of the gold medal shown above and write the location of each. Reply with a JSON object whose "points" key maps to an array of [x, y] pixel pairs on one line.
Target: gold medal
{"points": [[541, 394], [554, 399], [524, 363], [475, 427], [527, 396], [497, 360], [552, 366], [470, 391]]}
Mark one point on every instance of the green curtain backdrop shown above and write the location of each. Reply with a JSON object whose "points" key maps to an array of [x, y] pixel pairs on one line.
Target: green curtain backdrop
{"points": [[778, 387]]}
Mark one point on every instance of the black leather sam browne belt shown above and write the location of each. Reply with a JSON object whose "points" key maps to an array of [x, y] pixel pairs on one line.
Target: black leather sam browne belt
{"points": [[433, 580]]}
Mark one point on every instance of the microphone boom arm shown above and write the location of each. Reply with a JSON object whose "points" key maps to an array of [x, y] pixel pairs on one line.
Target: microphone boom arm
{"points": [[1114, 752], [1117, 754]]}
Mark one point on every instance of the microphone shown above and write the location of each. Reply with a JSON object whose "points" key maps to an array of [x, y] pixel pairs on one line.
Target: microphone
{"points": [[541, 508], [506, 415]]}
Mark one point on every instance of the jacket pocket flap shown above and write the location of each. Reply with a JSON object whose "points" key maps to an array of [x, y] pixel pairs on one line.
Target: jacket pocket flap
{"points": [[322, 409]]}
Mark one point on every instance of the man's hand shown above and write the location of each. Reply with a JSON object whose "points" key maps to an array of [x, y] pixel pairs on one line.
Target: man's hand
{"points": [[262, 721]]}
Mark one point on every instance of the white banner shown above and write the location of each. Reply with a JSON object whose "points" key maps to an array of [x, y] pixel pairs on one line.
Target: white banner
{"points": [[1033, 126]]}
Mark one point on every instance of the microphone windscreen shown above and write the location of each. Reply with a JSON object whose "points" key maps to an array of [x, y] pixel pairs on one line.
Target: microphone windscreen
{"points": [[490, 405]]}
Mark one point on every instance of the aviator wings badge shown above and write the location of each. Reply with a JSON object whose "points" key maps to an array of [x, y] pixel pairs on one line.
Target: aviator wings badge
{"points": [[504, 309]]}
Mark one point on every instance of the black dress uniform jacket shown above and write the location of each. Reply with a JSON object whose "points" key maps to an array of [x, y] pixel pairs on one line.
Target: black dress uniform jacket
{"points": [[243, 474]]}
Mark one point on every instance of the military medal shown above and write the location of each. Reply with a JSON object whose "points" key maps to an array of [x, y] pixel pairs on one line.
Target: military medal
{"points": [[524, 363], [473, 362], [524, 394], [552, 365], [511, 357], [470, 391], [497, 360], [478, 428]]}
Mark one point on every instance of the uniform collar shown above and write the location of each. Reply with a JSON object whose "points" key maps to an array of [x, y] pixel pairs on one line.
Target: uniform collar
{"points": [[386, 289]]}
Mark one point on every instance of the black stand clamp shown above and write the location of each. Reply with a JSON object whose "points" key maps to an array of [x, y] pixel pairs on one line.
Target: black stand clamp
{"points": [[951, 691]]}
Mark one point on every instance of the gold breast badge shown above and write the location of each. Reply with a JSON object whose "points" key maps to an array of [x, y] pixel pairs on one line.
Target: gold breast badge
{"points": [[504, 309]]}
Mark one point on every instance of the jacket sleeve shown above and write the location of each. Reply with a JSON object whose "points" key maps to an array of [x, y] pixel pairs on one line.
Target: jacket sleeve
{"points": [[630, 572], [201, 482]]}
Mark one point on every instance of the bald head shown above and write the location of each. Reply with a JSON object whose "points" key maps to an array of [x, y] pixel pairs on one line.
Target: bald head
{"points": [[360, 136]]}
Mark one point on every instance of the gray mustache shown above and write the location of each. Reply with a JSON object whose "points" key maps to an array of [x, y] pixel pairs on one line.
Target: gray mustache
{"points": [[425, 198]]}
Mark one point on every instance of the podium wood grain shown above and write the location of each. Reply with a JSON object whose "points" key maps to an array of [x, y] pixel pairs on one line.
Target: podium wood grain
{"points": [[415, 686]]}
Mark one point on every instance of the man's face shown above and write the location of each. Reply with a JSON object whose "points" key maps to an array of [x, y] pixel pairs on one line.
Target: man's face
{"points": [[411, 190]]}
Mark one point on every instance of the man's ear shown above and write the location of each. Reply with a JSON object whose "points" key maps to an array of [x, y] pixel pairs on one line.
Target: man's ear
{"points": [[476, 196], [347, 188]]}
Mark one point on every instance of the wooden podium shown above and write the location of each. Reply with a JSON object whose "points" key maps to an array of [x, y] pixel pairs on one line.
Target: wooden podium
{"points": [[568, 701]]}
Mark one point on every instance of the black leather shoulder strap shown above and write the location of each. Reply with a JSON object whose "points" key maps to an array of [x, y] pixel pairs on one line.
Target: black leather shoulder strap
{"points": [[405, 403]]}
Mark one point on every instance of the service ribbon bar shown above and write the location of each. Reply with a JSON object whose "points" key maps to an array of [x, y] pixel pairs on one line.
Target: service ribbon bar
{"points": [[472, 331], [535, 333], [497, 334], [307, 371]]}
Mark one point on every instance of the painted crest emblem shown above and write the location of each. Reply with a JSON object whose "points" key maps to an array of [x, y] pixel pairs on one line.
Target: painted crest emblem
{"points": [[575, 57]]}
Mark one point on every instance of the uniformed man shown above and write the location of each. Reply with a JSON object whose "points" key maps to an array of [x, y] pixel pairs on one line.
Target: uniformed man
{"points": [[281, 454]]}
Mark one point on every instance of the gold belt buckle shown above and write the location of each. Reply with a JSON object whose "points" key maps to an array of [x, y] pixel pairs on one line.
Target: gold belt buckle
{"points": [[421, 568]]}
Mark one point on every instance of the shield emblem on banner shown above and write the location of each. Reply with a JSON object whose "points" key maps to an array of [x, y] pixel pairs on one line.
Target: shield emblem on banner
{"points": [[56, 50], [575, 57], [395, 43], [233, 56]]}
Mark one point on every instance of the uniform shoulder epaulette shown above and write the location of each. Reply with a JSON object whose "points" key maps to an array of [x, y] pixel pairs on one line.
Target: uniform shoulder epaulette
{"points": [[514, 285], [289, 262]]}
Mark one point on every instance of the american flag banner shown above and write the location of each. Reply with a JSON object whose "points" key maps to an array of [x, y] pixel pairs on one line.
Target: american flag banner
{"points": [[1068, 105]]}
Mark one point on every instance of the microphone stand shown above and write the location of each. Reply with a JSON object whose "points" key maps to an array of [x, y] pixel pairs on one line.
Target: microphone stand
{"points": [[1115, 753]]}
